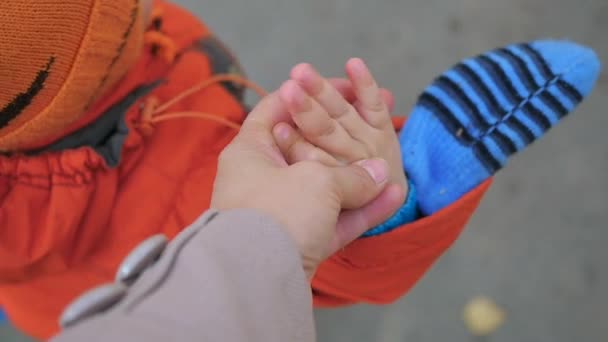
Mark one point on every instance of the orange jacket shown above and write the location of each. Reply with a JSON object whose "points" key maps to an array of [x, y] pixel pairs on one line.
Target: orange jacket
{"points": [[72, 211]]}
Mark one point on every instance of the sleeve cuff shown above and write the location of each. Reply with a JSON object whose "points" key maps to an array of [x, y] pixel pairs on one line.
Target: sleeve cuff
{"points": [[406, 214]]}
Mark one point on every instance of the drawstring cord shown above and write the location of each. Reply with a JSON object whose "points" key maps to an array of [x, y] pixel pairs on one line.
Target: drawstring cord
{"points": [[153, 112], [161, 44]]}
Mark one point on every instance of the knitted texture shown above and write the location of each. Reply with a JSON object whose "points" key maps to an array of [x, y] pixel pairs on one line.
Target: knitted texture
{"points": [[476, 115], [406, 214], [58, 57]]}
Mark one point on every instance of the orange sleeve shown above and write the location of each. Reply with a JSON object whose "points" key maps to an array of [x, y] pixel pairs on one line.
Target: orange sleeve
{"points": [[381, 269], [43, 201]]}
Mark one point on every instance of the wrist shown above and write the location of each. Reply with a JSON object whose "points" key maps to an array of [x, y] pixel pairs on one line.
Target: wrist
{"points": [[407, 213]]}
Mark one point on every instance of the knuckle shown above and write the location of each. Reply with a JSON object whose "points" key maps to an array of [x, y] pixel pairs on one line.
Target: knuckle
{"points": [[366, 151], [290, 150], [309, 167], [343, 111], [364, 177], [313, 155], [326, 129], [376, 105], [322, 176]]}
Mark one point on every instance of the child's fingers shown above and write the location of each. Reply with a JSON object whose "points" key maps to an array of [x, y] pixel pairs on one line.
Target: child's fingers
{"points": [[317, 126], [296, 149], [305, 111], [330, 99], [388, 98], [345, 88], [374, 109]]}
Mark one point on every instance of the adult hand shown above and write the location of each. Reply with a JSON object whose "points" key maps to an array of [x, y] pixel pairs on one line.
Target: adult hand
{"points": [[322, 208]]}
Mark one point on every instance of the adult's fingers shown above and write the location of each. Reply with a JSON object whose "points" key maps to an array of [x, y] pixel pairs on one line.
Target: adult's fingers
{"points": [[256, 132], [267, 113], [358, 184]]}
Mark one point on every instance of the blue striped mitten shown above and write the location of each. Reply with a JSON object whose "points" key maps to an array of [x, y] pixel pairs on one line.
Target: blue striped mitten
{"points": [[485, 109]]}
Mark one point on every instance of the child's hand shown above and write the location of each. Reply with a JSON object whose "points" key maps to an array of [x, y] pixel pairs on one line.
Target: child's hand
{"points": [[330, 129], [323, 208]]}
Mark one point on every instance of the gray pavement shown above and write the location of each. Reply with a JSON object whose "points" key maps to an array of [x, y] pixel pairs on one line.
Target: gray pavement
{"points": [[538, 244]]}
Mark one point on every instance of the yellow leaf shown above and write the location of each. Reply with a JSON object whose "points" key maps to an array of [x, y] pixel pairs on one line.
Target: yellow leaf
{"points": [[482, 316]]}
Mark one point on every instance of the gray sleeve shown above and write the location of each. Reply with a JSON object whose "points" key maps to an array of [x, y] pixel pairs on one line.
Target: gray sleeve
{"points": [[231, 276]]}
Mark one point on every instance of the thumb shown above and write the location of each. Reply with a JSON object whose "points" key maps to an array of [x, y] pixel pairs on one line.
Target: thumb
{"points": [[353, 223], [359, 183]]}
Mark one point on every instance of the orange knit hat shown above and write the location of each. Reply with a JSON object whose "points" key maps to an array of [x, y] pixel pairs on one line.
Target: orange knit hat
{"points": [[56, 58]]}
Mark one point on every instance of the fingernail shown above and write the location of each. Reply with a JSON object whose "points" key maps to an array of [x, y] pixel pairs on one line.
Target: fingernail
{"points": [[299, 98], [282, 131], [362, 71], [377, 169]]}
